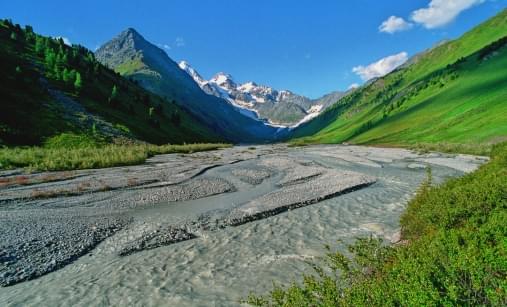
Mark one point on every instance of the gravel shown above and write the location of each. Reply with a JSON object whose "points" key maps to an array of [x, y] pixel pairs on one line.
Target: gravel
{"points": [[252, 176], [34, 243], [198, 188], [330, 184], [48, 220], [162, 236]]}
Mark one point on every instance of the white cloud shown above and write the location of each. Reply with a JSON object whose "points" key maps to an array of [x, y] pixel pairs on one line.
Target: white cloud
{"points": [[66, 41], [441, 12], [394, 24], [381, 67], [180, 42], [353, 86]]}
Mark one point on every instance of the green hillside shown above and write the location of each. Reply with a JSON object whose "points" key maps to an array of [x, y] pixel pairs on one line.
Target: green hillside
{"points": [[452, 93], [48, 88]]}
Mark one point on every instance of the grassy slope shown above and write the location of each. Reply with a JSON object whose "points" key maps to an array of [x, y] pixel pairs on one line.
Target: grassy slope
{"points": [[30, 115], [455, 253], [430, 101], [468, 109]]}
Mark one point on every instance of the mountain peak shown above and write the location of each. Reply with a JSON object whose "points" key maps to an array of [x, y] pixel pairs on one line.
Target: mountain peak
{"points": [[184, 64], [224, 80], [130, 35], [131, 30], [129, 45], [222, 75]]}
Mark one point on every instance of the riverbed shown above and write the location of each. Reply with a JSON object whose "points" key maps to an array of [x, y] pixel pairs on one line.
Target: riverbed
{"points": [[200, 229]]}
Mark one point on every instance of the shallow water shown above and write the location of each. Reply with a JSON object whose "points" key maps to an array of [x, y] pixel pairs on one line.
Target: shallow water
{"points": [[221, 267]]}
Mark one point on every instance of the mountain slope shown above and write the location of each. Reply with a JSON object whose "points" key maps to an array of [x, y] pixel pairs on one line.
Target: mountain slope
{"points": [[455, 92], [48, 88], [131, 55], [282, 108]]}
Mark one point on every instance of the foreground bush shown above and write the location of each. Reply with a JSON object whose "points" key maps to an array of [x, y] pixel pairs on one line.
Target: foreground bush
{"points": [[68, 152], [455, 253]]}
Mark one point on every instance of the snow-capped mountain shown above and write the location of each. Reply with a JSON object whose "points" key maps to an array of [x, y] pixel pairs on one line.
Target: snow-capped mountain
{"points": [[135, 57], [283, 108]]}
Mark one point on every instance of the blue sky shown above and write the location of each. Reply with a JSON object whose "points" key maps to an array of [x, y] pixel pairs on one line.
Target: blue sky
{"points": [[310, 47]]}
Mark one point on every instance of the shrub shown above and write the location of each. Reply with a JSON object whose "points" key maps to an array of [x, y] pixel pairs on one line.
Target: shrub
{"points": [[70, 152], [456, 253]]}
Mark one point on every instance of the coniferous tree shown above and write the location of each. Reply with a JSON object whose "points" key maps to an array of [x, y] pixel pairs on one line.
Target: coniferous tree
{"points": [[146, 100], [39, 45], [29, 34], [114, 92], [50, 59], [175, 118], [159, 109], [57, 72], [78, 84], [66, 75], [113, 97]]}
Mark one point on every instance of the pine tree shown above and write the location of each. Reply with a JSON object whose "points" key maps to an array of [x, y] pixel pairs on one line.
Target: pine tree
{"points": [[114, 92], [159, 109], [78, 84], [66, 75], [39, 45], [113, 96], [57, 72], [146, 100], [96, 68], [175, 118], [50, 58], [29, 35]]}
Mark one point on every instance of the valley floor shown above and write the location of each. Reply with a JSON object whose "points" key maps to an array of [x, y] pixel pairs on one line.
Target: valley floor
{"points": [[241, 218]]}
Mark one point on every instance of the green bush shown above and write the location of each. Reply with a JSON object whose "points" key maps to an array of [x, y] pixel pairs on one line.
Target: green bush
{"points": [[72, 141], [455, 252]]}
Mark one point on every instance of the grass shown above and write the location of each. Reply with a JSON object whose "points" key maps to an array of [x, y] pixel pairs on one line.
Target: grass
{"points": [[453, 93], [72, 152], [454, 252], [483, 149]]}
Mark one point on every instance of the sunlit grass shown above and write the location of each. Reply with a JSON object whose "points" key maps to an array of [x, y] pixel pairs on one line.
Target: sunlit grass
{"points": [[481, 149], [52, 159]]}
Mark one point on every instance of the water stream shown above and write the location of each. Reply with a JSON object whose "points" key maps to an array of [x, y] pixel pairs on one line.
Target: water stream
{"points": [[221, 267]]}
